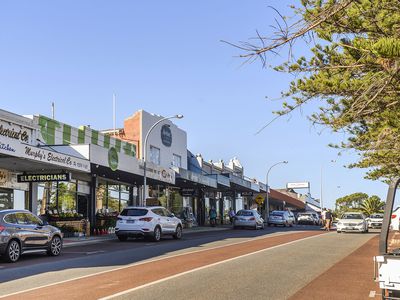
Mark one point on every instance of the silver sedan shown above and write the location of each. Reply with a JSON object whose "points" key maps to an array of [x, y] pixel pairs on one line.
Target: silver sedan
{"points": [[248, 218]]}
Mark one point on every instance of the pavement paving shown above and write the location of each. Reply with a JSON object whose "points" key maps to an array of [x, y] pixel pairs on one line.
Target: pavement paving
{"points": [[80, 241]]}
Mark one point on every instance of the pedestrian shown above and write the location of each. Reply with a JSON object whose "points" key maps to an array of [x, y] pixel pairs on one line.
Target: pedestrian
{"points": [[231, 215], [328, 220], [323, 214], [213, 216]]}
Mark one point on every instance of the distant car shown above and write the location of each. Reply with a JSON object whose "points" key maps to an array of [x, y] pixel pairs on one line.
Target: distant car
{"points": [[149, 222], [280, 217], [21, 232], [395, 219], [375, 221], [306, 218], [352, 222], [248, 218]]}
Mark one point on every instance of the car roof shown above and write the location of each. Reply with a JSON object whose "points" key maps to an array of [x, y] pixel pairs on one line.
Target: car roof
{"points": [[143, 207]]}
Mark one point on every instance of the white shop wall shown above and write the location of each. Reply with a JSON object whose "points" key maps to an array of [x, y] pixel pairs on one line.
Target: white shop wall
{"points": [[179, 140]]}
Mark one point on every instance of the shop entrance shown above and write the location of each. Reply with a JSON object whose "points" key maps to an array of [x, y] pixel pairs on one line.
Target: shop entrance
{"points": [[83, 202]]}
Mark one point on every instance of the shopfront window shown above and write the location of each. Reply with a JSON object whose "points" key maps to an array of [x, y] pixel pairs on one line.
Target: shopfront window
{"points": [[112, 197], [67, 196], [6, 199]]}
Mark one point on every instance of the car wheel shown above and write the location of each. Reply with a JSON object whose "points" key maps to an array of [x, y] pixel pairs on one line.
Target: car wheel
{"points": [[178, 233], [235, 227], [255, 227], [122, 238], [338, 231], [55, 246], [13, 251], [157, 234]]}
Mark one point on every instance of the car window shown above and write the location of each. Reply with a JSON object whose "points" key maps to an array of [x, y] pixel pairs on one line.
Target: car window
{"points": [[167, 213], [21, 219], [10, 218], [352, 216], [32, 219], [158, 211], [134, 212], [377, 216], [244, 213]]}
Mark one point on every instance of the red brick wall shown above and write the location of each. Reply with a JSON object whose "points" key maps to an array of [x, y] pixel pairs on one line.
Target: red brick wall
{"points": [[132, 131]]}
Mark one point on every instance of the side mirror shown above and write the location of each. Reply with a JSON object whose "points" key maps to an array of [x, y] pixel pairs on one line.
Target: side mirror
{"points": [[172, 215], [44, 223]]}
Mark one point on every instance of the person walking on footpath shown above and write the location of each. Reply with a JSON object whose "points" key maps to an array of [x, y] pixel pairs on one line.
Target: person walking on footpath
{"points": [[213, 216], [323, 214], [328, 220], [231, 215]]}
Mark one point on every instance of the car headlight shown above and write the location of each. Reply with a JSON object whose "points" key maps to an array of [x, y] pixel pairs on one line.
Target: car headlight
{"points": [[339, 223]]}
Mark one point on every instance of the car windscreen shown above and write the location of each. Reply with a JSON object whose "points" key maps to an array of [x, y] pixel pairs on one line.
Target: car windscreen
{"points": [[377, 216], [307, 215], [134, 212], [244, 213], [352, 216]]}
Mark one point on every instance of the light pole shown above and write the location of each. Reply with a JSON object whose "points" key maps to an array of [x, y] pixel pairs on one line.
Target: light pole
{"points": [[267, 200], [145, 152]]}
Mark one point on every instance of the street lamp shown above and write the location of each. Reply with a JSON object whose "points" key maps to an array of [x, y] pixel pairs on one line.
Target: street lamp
{"points": [[145, 152], [267, 200]]}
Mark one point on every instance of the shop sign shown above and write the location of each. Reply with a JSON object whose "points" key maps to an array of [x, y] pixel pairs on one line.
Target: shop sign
{"points": [[166, 135], [247, 194], [44, 177], [18, 149], [13, 132], [228, 194], [186, 192], [298, 185]]}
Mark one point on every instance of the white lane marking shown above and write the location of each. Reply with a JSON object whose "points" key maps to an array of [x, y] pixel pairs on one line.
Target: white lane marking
{"points": [[151, 261], [95, 252], [202, 268]]}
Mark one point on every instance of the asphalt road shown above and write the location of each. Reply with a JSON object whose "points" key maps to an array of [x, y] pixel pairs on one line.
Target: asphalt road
{"points": [[275, 272]]}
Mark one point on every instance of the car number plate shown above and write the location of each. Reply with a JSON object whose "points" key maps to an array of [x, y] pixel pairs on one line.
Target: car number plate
{"points": [[130, 221], [350, 228]]}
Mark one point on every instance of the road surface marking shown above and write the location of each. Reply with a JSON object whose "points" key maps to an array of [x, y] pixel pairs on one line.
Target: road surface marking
{"points": [[202, 268], [159, 259]]}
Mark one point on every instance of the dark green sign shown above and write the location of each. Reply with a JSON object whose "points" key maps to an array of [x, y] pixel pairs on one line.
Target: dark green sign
{"points": [[113, 159]]}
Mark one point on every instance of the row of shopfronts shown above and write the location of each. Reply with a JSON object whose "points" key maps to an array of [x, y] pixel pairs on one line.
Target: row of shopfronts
{"points": [[65, 173]]}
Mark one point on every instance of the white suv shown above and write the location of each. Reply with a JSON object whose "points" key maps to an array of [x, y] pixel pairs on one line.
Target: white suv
{"points": [[151, 222]]}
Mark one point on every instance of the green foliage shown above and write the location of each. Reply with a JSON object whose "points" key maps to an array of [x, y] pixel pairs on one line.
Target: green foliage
{"points": [[359, 202], [372, 205], [353, 71]]}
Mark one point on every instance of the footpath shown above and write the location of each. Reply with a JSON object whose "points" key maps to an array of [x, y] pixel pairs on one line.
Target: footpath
{"points": [[77, 241], [351, 278]]}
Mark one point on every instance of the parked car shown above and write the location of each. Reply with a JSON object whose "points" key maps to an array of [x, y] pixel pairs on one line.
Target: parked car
{"points": [[280, 217], [149, 222], [248, 218], [21, 232], [306, 218], [318, 219], [375, 221], [352, 221], [395, 220]]}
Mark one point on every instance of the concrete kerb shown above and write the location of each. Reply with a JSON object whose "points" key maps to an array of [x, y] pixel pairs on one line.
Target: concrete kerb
{"points": [[72, 242]]}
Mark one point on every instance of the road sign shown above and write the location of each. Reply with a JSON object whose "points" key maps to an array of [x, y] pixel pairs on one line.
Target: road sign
{"points": [[259, 199]]}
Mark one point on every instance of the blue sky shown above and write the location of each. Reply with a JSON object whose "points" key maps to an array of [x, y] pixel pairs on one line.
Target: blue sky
{"points": [[166, 57]]}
